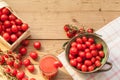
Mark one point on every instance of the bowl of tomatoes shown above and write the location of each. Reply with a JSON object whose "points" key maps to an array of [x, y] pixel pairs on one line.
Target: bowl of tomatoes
{"points": [[87, 53]]}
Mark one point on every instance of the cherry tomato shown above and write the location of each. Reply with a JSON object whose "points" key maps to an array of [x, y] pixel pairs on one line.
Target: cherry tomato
{"points": [[99, 46], [14, 29], [84, 68], [101, 54], [20, 75], [19, 33], [84, 46], [8, 30], [87, 43], [90, 30], [87, 62], [5, 11], [79, 40], [37, 45], [2, 59], [79, 59], [74, 44], [26, 62], [87, 50], [88, 55], [22, 50], [91, 40], [12, 17], [71, 56], [7, 24], [82, 54], [79, 66], [90, 68], [92, 47], [98, 58], [93, 59], [6, 36], [13, 37], [84, 38], [66, 28], [4, 17], [10, 61], [13, 72], [73, 62], [17, 64], [24, 27], [97, 63], [73, 51], [25, 42], [30, 68], [79, 46], [12, 22], [58, 64], [69, 34], [18, 21], [33, 55], [94, 53], [0, 28]]}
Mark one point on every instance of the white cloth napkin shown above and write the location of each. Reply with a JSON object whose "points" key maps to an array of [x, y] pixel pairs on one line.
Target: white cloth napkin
{"points": [[111, 34]]}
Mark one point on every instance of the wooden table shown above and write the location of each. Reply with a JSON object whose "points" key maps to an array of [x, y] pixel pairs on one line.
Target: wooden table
{"points": [[46, 19]]}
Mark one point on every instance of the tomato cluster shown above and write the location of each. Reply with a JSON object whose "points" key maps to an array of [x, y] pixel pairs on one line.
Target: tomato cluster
{"points": [[11, 27], [72, 31], [85, 54], [14, 61]]}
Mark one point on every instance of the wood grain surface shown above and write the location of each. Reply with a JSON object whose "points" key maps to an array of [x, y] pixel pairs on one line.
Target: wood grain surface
{"points": [[46, 19]]}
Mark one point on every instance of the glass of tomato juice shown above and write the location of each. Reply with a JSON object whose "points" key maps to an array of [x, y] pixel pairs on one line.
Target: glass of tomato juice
{"points": [[46, 65]]}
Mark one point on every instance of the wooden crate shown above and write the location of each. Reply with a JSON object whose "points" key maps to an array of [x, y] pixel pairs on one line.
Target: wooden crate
{"points": [[4, 45]]}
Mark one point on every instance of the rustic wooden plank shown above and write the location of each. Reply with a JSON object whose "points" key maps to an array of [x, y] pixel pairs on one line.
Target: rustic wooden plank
{"points": [[64, 5]]}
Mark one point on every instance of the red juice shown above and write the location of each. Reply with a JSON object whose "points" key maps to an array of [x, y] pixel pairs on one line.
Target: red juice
{"points": [[47, 66]]}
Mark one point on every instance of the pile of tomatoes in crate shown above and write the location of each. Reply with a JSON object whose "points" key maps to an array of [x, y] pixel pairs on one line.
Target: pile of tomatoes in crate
{"points": [[11, 27], [13, 62]]}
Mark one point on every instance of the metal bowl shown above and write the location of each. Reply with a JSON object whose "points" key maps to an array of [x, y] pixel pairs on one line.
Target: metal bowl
{"points": [[97, 39]]}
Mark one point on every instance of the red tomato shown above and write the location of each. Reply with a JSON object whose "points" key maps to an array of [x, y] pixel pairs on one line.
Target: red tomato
{"points": [[8, 30], [13, 72], [79, 46], [79, 66], [12, 17], [7, 24], [84, 38], [12, 22], [98, 58], [14, 29], [92, 47], [90, 68], [73, 62], [79, 40], [87, 50], [87, 62], [58, 64], [0, 28], [66, 28], [94, 53], [71, 56], [37, 45], [25, 42], [84, 46], [10, 61], [6, 36], [4, 17], [91, 40], [99, 46], [5, 11], [84, 68], [97, 63], [17, 64], [22, 50], [24, 27], [74, 44], [34, 55], [13, 37], [19, 33], [2, 59], [18, 21], [101, 54], [90, 30], [79, 59], [88, 55], [82, 54], [73, 51], [26, 62], [30, 68], [20, 75], [87, 43], [69, 34], [93, 59]]}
